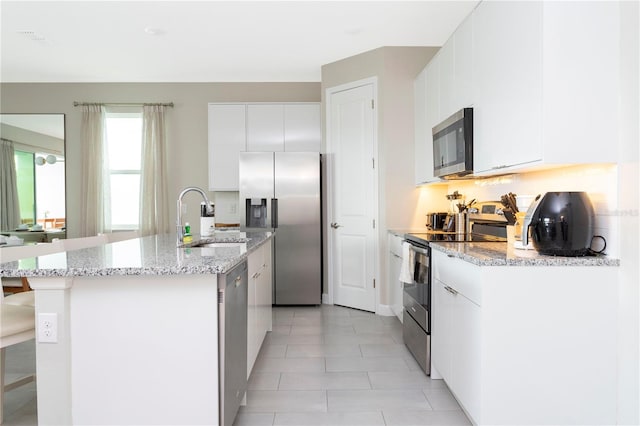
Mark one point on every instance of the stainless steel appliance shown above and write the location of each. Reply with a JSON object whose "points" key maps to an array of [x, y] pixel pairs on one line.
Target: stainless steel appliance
{"points": [[436, 221], [487, 224], [453, 145], [280, 191], [416, 300], [561, 224], [232, 341]]}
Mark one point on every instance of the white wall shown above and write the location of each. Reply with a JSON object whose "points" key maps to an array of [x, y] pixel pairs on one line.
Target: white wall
{"points": [[628, 214], [187, 124]]}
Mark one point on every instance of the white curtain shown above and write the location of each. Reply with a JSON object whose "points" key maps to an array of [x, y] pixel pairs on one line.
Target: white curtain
{"points": [[154, 202], [95, 210], [9, 205]]}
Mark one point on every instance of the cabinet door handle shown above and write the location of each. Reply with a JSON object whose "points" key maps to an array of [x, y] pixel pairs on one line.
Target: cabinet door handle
{"points": [[395, 255], [450, 290], [413, 309], [450, 255]]}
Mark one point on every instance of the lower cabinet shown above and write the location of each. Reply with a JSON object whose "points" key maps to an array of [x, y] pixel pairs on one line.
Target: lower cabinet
{"points": [[394, 267], [259, 302], [456, 343], [526, 344]]}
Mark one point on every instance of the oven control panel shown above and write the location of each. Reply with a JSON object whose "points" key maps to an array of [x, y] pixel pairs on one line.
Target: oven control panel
{"points": [[490, 211]]}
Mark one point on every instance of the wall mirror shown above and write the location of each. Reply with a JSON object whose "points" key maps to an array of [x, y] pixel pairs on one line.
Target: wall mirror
{"points": [[35, 207]]}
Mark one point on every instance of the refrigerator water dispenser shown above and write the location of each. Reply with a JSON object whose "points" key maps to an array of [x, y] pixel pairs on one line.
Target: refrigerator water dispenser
{"points": [[256, 212]]}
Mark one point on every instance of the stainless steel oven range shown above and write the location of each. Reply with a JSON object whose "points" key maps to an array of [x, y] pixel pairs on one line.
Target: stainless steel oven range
{"points": [[488, 225], [416, 300]]}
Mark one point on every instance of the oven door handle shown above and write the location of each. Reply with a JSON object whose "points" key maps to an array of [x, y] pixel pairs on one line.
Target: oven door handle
{"points": [[419, 250]]}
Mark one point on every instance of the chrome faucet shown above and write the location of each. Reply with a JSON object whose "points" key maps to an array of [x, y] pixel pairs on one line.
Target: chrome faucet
{"points": [[208, 206]]}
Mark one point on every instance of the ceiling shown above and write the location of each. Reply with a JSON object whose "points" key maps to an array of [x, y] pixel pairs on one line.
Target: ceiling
{"points": [[46, 124], [207, 41]]}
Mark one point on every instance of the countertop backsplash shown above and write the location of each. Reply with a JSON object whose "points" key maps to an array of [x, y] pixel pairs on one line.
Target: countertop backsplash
{"points": [[599, 181]]}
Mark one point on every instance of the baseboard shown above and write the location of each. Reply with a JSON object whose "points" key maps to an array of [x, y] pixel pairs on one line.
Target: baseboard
{"points": [[385, 310]]}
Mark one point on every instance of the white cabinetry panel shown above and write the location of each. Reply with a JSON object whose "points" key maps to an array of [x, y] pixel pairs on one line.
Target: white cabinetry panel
{"points": [[533, 323], [259, 301], [395, 265], [507, 54], [234, 128], [227, 138], [265, 127], [427, 114], [302, 129]]}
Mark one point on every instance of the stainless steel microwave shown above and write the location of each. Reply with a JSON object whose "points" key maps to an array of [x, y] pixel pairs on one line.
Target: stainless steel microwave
{"points": [[453, 145]]}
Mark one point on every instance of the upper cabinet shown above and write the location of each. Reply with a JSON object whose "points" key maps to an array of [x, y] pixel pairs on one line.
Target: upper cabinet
{"points": [[238, 127], [543, 84], [302, 127], [507, 47], [265, 129], [442, 88], [227, 138]]}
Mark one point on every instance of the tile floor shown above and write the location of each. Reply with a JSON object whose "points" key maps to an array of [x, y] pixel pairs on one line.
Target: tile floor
{"points": [[331, 365], [325, 365]]}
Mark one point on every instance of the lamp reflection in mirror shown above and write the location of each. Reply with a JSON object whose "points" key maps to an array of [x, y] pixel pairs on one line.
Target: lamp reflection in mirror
{"points": [[50, 159]]}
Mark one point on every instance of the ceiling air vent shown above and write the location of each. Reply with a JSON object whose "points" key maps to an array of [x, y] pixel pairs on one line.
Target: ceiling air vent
{"points": [[32, 35]]}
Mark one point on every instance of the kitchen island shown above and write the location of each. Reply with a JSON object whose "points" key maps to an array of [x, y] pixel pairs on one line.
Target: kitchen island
{"points": [[135, 330]]}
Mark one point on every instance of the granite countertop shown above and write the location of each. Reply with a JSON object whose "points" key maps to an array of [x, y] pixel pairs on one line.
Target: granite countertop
{"points": [[401, 232], [153, 255], [501, 254]]}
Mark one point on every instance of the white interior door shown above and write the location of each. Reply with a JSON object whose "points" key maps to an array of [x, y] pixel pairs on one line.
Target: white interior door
{"points": [[353, 188]]}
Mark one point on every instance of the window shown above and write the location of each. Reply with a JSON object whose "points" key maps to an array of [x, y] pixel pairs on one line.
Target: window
{"points": [[124, 146], [25, 177]]}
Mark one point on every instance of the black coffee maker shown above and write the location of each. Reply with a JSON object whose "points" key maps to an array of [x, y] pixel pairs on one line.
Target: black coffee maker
{"points": [[561, 224]]}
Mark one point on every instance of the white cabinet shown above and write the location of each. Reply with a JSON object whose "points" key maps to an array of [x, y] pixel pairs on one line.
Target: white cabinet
{"points": [[463, 66], [543, 98], [507, 50], [227, 138], [284, 127], [259, 301], [443, 87], [234, 128], [302, 127], [395, 265], [427, 114], [456, 330], [500, 333], [265, 129]]}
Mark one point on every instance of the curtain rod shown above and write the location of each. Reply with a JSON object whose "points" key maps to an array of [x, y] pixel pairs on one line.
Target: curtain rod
{"points": [[76, 103]]}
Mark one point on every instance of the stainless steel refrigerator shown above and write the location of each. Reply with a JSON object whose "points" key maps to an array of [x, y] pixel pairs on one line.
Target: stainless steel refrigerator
{"points": [[280, 191]]}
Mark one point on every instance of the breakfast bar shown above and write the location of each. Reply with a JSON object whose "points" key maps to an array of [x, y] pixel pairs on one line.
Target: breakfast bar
{"points": [[133, 335]]}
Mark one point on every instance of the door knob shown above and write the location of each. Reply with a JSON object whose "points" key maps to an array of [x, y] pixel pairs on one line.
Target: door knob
{"points": [[335, 225]]}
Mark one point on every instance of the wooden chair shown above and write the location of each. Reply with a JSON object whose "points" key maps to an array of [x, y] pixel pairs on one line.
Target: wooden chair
{"points": [[17, 325]]}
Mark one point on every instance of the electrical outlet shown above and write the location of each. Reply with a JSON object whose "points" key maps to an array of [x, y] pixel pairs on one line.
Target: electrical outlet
{"points": [[48, 328]]}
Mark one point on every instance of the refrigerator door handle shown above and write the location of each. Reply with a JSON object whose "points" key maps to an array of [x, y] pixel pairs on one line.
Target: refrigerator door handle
{"points": [[274, 213]]}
